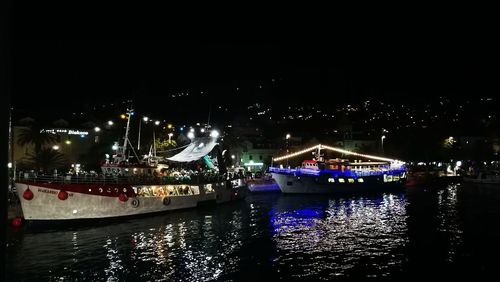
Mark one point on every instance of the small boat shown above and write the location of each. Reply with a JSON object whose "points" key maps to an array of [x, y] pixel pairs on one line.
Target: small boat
{"points": [[484, 177], [262, 183]]}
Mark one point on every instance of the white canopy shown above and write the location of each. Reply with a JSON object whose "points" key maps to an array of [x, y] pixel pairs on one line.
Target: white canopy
{"points": [[199, 148]]}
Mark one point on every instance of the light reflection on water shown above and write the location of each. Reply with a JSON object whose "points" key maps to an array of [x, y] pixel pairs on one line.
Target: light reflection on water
{"points": [[448, 216], [345, 234], [272, 237]]}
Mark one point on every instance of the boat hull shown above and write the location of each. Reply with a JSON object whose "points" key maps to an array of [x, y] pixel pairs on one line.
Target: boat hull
{"points": [[259, 186], [45, 204], [291, 184], [491, 182]]}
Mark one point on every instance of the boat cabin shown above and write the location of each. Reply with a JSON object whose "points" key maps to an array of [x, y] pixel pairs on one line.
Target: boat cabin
{"points": [[310, 164]]}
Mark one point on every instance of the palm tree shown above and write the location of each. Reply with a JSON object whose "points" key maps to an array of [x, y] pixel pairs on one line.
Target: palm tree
{"points": [[46, 159], [60, 123], [36, 136], [163, 147]]}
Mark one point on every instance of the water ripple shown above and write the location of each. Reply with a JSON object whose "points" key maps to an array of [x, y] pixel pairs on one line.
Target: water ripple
{"points": [[268, 237]]}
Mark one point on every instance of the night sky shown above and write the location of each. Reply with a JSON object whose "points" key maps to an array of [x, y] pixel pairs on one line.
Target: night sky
{"points": [[62, 75]]}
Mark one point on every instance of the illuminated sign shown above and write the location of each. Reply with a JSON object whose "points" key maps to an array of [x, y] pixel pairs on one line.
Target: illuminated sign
{"points": [[252, 163], [67, 131]]}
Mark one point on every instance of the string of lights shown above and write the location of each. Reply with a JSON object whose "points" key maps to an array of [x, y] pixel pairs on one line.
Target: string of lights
{"points": [[296, 153], [346, 152], [356, 154]]}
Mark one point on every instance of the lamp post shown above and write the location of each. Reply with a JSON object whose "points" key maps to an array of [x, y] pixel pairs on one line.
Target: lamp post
{"points": [[170, 136], [145, 119], [382, 142], [154, 138], [286, 138]]}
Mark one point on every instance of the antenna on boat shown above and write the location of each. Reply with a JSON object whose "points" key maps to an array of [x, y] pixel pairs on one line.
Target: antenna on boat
{"points": [[209, 113]]}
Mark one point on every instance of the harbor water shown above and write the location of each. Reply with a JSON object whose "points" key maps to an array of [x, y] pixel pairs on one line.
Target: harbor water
{"points": [[449, 231]]}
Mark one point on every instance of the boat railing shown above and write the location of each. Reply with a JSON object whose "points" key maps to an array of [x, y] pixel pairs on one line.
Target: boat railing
{"points": [[283, 170], [361, 173], [133, 180]]}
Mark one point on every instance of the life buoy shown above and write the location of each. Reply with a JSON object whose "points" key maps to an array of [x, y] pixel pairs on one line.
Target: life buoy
{"points": [[166, 201], [122, 197], [28, 195], [135, 202], [62, 195], [17, 222]]}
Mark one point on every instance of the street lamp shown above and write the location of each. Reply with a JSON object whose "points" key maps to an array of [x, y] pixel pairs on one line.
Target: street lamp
{"points": [[110, 122], [157, 122], [214, 134], [190, 135], [55, 147], [170, 136], [97, 129]]}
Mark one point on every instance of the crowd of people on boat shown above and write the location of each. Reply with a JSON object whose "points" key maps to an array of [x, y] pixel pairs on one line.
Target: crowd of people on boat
{"points": [[165, 176]]}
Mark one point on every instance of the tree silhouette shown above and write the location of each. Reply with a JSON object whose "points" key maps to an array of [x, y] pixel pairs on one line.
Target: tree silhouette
{"points": [[35, 135], [46, 160]]}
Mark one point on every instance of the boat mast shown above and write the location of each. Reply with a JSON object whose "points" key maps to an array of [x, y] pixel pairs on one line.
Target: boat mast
{"points": [[124, 149], [139, 136], [319, 158], [154, 143]]}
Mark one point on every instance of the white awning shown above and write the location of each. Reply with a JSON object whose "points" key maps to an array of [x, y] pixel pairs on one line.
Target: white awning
{"points": [[199, 148]]}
